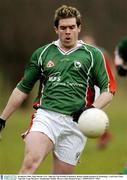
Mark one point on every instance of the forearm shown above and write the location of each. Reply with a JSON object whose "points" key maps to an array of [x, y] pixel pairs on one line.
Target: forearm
{"points": [[103, 100], [16, 99]]}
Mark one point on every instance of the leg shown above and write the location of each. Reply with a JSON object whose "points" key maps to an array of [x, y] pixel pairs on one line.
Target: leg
{"points": [[104, 140], [37, 146], [60, 167]]}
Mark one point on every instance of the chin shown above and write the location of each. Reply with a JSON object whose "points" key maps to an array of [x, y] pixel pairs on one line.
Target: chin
{"points": [[69, 45]]}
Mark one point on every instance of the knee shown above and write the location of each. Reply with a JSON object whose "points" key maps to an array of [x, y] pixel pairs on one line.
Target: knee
{"points": [[32, 159], [30, 164]]}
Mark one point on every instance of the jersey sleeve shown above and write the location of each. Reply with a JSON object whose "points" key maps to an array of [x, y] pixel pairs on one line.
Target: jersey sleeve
{"points": [[101, 70], [31, 75]]}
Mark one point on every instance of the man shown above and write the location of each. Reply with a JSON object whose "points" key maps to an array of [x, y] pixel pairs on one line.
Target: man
{"points": [[104, 140], [120, 63], [69, 69], [121, 57]]}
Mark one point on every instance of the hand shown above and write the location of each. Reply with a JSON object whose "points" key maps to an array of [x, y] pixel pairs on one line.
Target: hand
{"points": [[76, 114], [121, 70], [2, 124]]}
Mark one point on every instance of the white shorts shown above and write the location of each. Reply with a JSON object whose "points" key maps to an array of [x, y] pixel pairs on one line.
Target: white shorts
{"points": [[68, 140]]}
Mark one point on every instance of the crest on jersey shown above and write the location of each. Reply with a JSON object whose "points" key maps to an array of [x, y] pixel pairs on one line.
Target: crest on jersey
{"points": [[50, 64], [77, 64], [77, 156]]}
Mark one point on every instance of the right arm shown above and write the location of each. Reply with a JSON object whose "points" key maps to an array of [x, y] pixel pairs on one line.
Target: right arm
{"points": [[23, 88], [16, 99]]}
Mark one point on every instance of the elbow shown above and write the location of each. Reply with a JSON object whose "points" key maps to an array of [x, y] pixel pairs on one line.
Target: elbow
{"points": [[110, 97]]}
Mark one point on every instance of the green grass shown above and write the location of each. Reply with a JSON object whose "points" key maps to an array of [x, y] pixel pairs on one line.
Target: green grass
{"points": [[93, 161]]}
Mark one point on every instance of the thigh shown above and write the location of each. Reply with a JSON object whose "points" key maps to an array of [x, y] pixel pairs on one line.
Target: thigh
{"points": [[60, 167], [38, 145], [69, 147]]}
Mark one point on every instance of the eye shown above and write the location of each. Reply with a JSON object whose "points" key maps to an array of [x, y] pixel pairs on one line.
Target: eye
{"points": [[63, 27], [72, 27]]}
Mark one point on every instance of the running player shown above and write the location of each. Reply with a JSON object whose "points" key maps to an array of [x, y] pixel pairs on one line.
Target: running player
{"points": [[120, 63]]}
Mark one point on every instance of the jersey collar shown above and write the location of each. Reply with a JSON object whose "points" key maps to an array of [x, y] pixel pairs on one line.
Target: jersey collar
{"points": [[57, 43]]}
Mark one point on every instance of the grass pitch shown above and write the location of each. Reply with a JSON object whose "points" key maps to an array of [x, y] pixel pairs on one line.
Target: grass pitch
{"points": [[93, 161]]}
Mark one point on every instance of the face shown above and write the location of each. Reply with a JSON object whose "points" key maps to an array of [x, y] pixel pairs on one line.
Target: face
{"points": [[118, 59], [68, 33]]}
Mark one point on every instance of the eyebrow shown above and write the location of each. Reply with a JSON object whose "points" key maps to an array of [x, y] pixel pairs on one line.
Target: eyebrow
{"points": [[71, 26]]}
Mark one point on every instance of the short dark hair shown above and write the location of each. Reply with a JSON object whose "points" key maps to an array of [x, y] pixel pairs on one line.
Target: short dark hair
{"points": [[67, 12], [122, 49]]}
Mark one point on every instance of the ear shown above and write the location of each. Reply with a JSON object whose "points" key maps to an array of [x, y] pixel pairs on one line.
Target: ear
{"points": [[56, 29], [79, 28]]}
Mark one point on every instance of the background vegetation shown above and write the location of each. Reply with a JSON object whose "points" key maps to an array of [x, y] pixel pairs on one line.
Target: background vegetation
{"points": [[26, 25]]}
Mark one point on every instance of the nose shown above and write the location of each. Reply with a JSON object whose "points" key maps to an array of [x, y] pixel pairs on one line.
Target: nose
{"points": [[67, 30]]}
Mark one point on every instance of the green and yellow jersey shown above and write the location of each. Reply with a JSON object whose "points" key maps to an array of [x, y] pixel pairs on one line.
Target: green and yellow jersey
{"points": [[69, 77]]}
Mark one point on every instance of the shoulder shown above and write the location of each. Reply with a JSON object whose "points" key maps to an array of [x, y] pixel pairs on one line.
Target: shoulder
{"points": [[89, 47], [93, 50], [42, 49]]}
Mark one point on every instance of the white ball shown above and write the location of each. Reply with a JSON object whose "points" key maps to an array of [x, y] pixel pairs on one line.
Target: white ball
{"points": [[93, 122]]}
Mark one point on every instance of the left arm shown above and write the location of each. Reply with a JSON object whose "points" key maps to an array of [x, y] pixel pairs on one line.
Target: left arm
{"points": [[103, 100], [105, 81]]}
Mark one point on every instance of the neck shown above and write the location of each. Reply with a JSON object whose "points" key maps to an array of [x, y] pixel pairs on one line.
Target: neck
{"points": [[67, 48]]}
